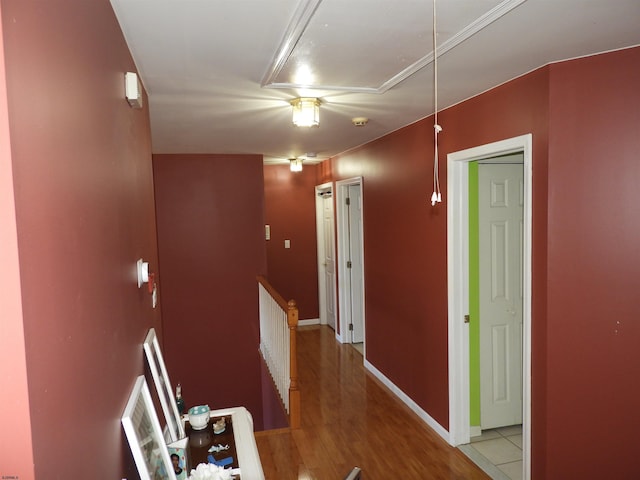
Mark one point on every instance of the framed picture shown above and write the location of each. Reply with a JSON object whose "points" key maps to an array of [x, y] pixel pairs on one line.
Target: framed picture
{"points": [[144, 435], [163, 387]]}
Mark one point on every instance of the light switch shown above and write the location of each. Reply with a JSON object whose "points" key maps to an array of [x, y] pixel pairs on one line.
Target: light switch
{"points": [[267, 232], [287, 244]]}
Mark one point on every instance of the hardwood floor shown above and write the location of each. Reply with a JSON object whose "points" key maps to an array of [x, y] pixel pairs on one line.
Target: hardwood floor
{"points": [[350, 419]]}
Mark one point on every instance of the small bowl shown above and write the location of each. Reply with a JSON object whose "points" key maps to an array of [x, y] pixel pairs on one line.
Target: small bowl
{"points": [[199, 417]]}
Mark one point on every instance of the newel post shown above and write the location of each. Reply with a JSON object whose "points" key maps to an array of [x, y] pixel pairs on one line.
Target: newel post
{"points": [[294, 392]]}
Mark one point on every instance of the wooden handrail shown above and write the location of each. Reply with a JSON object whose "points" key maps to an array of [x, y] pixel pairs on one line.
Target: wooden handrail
{"points": [[273, 292], [291, 310]]}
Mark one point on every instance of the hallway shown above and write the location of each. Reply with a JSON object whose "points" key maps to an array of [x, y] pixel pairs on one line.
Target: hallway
{"points": [[349, 419]]}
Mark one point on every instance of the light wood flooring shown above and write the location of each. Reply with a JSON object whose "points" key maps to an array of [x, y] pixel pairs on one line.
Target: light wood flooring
{"points": [[350, 419]]}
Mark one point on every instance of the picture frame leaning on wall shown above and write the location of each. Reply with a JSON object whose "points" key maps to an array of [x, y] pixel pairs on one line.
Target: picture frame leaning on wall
{"points": [[164, 389], [142, 428]]}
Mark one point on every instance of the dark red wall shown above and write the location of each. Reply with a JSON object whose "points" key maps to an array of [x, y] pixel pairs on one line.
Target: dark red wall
{"points": [[210, 215], [404, 264], [290, 210], [584, 116], [517, 108], [84, 214], [593, 268], [15, 435], [405, 238]]}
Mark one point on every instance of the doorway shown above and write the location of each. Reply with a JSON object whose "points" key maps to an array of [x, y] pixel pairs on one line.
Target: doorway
{"points": [[325, 222], [350, 262], [458, 287]]}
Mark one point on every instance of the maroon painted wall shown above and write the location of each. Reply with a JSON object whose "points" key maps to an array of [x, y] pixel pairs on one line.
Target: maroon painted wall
{"points": [[404, 265], [15, 436], [594, 266], [84, 214], [405, 238], [584, 117], [516, 108], [210, 215], [290, 210]]}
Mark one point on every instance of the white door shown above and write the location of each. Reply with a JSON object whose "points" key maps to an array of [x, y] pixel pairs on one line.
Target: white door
{"points": [[329, 263], [355, 270], [501, 200]]}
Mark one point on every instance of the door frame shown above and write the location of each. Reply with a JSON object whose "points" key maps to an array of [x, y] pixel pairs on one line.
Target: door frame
{"points": [[344, 293], [458, 287], [322, 292]]}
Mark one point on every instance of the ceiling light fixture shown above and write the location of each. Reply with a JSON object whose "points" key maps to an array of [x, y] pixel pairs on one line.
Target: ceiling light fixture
{"points": [[306, 112], [295, 164]]}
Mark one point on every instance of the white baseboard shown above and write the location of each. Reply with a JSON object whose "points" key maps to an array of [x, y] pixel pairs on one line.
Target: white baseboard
{"points": [[475, 431], [424, 416], [308, 321]]}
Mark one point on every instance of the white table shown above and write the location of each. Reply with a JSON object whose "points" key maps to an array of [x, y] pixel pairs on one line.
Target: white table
{"points": [[246, 448]]}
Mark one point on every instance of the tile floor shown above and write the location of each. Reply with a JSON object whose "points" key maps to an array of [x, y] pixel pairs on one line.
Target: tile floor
{"points": [[498, 452]]}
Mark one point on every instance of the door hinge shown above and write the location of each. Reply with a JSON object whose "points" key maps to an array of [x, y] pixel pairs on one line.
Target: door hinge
{"points": [[351, 327], [349, 264], [466, 319], [348, 201]]}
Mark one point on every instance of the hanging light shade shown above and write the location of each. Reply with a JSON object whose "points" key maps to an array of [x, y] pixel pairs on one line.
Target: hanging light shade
{"points": [[295, 164], [306, 112]]}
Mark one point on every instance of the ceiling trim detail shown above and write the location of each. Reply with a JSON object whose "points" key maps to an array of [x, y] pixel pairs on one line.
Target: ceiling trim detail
{"points": [[299, 22], [307, 9]]}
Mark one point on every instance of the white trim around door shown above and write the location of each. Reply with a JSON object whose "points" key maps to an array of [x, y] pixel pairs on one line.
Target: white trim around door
{"points": [[321, 191], [458, 287]]}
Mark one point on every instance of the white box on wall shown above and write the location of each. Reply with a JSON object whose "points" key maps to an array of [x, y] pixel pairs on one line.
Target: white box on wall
{"points": [[133, 89]]}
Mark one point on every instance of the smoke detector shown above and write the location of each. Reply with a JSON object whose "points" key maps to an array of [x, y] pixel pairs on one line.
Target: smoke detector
{"points": [[359, 121]]}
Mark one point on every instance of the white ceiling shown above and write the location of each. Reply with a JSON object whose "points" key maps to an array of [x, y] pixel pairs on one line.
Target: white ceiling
{"points": [[220, 73]]}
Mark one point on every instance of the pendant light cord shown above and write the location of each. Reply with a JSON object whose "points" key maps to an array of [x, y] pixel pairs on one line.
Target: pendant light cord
{"points": [[436, 197]]}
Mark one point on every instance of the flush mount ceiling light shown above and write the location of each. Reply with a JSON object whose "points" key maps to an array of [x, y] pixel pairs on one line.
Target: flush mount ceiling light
{"points": [[295, 164], [306, 112]]}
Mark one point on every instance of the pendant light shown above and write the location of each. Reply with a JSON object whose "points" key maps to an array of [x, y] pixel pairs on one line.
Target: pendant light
{"points": [[436, 197]]}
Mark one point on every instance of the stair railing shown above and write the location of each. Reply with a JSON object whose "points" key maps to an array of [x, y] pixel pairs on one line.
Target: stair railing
{"points": [[278, 324]]}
